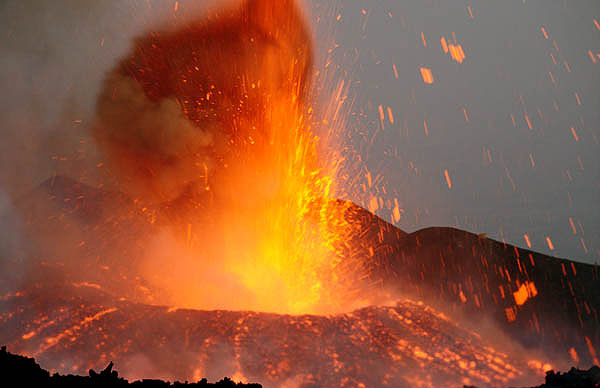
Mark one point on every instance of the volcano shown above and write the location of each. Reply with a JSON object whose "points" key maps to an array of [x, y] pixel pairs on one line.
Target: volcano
{"points": [[216, 245], [452, 288]]}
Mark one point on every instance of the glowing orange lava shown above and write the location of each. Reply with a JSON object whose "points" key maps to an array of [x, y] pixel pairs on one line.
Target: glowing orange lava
{"points": [[221, 118]]}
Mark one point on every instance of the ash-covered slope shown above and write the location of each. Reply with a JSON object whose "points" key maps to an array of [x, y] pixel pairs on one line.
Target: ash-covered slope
{"points": [[542, 301]]}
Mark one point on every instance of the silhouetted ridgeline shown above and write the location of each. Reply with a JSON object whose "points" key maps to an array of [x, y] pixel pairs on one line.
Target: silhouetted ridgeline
{"points": [[575, 378], [19, 371], [22, 371]]}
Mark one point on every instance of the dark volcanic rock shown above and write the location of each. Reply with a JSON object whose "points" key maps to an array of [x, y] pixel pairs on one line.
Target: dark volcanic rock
{"points": [[575, 378], [19, 371], [478, 277]]}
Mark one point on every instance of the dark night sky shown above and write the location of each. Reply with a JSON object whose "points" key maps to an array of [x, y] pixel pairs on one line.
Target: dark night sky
{"points": [[56, 52]]}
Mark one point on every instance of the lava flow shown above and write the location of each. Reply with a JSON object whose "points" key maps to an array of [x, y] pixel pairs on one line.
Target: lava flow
{"points": [[403, 345]]}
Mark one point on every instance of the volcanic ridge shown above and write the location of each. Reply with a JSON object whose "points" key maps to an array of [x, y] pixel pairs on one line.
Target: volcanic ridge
{"points": [[421, 338]]}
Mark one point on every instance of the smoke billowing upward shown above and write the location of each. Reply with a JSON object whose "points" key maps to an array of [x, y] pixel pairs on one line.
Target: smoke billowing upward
{"points": [[55, 58], [194, 99], [152, 145], [212, 119]]}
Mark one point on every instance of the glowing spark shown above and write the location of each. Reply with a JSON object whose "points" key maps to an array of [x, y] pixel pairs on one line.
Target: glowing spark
{"points": [[550, 245], [510, 179], [511, 315], [526, 291], [470, 11], [528, 122], [457, 53], [552, 79], [574, 134], [448, 179], [572, 225], [527, 241], [583, 245], [462, 296], [390, 115], [589, 343], [444, 45], [396, 212], [574, 355], [427, 75]]}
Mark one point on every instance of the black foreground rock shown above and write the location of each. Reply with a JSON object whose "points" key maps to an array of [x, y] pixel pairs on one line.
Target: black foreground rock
{"points": [[19, 371], [16, 370], [574, 378]]}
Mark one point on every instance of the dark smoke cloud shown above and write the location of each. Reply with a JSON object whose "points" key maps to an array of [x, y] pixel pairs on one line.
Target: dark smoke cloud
{"points": [[55, 55], [149, 141], [54, 58]]}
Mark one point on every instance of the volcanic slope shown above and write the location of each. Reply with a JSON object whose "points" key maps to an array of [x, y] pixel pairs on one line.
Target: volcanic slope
{"points": [[547, 304], [404, 345], [543, 302]]}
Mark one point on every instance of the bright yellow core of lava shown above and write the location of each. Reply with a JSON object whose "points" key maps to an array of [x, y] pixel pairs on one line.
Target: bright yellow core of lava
{"points": [[220, 110]]}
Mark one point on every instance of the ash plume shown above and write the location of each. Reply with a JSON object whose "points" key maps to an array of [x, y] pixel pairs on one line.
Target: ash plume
{"points": [[188, 99], [151, 144]]}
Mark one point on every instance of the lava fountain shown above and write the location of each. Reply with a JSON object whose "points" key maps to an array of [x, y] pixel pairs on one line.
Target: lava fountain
{"points": [[214, 118]]}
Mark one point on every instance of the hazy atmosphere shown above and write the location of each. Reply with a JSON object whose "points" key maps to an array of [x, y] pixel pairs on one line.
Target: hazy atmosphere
{"points": [[479, 115]]}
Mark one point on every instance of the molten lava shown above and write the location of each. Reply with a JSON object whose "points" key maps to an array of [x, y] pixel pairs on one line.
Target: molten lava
{"points": [[214, 117], [407, 344]]}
